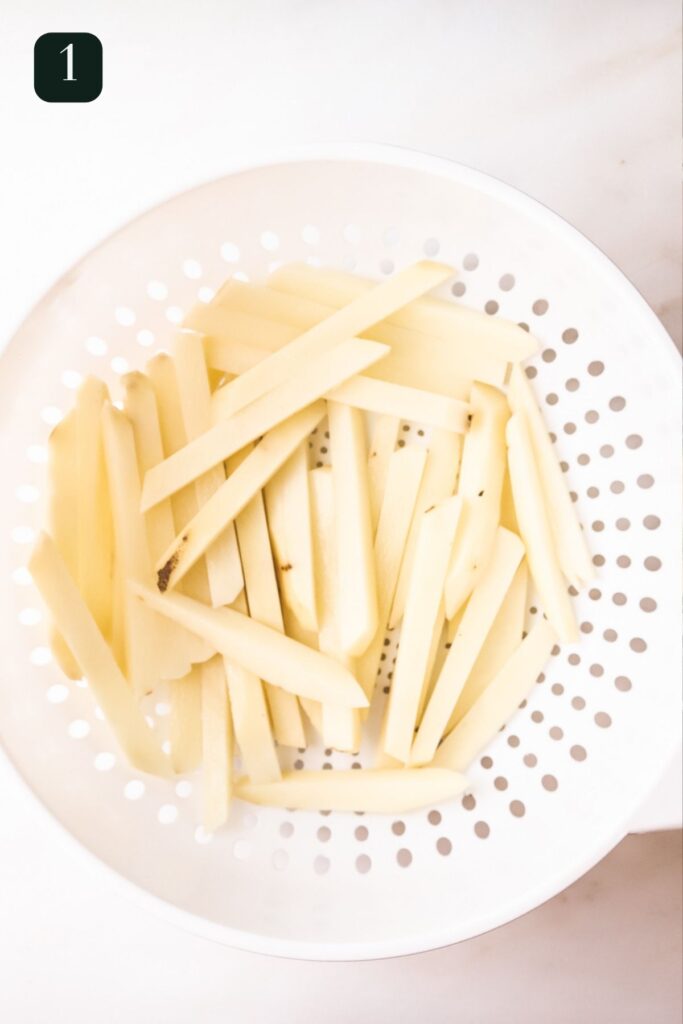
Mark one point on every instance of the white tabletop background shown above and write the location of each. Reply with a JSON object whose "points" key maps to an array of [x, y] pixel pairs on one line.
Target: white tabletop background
{"points": [[576, 103]]}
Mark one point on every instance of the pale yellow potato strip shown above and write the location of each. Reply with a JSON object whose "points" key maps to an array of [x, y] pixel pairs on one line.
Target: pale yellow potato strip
{"points": [[437, 645], [382, 445], [321, 338], [296, 631], [62, 518], [508, 516], [270, 655], [185, 722], [288, 508], [355, 564], [423, 602], [340, 726], [438, 482], [237, 491], [264, 605], [404, 474], [231, 434], [222, 557], [475, 625], [95, 536], [480, 485], [499, 701], [536, 531], [378, 791], [251, 724], [217, 745], [106, 681], [236, 341], [466, 329], [162, 373], [388, 399], [144, 633], [570, 542], [504, 636], [181, 649]]}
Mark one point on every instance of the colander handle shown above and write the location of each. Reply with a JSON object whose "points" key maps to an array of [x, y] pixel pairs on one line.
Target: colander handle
{"points": [[664, 807]]}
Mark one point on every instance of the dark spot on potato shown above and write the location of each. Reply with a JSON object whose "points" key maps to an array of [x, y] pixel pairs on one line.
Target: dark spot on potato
{"points": [[164, 574], [286, 567]]}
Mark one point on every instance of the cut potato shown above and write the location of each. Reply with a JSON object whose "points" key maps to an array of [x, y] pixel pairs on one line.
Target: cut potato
{"points": [[222, 557], [341, 726], [264, 605], [235, 342], [378, 791], [480, 486], [499, 701], [355, 564], [475, 625], [438, 482], [162, 373], [504, 636], [143, 631], [404, 474], [382, 446], [296, 631], [251, 724], [320, 340], [237, 491], [536, 531], [423, 601], [62, 518], [233, 433], [185, 722], [108, 685], [437, 644], [95, 537], [217, 745], [466, 330], [179, 651], [387, 399], [270, 655], [288, 508], [570, 542]]}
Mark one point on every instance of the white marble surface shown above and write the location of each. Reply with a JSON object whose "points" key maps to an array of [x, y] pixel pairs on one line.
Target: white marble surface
{"points": [[576, 103]]}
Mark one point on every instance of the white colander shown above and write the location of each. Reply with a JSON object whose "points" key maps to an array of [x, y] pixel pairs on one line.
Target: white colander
{"points": [[557, 788]]}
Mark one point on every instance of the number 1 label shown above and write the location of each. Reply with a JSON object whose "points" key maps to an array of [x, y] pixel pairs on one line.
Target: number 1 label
{"points": [[67, 67]]}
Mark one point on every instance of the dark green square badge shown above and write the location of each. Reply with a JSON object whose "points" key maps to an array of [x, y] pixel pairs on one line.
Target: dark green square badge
{"points": [[67, 67]]}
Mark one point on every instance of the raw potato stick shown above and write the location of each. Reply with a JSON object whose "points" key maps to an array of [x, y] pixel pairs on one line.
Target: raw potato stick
{"points": [[162, 373], [185, 722], [480, 486], [418, 359], [499, 701], [438, 641], [62, 517], [504, 636], [267, 653], [379, 791], [144, 633], [108, 685], [341, 726], [423, 601], [406, 467], [319, 340], [235, 342], [222, 557], [536, 531], [475, 625], [438, 482], [570, 543], [288, 509], [95, 541], [231, 434], [387, 399], [217, 746], [465, 329], [232, 496], [295, 630], [264, 605], [183, 649], [355, 564], [382, 444]]}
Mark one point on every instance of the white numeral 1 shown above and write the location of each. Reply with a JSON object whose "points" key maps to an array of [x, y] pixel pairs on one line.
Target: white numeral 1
{"points": [[69, 51]]}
